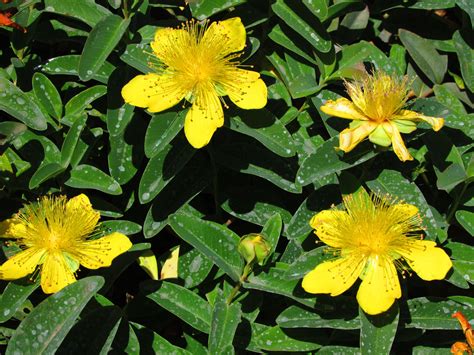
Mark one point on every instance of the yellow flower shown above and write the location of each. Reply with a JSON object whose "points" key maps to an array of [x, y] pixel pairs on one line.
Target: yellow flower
{"points": [[377, 112], [372, 237], [199, 65], [53, 234]]}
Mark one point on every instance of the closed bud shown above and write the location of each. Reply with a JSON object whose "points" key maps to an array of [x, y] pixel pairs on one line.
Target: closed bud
{"points": [[254, 248]]}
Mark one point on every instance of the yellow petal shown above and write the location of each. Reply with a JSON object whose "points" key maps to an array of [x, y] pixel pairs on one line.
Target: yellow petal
{"points": [[436, 122], [380, 287], [427, 260], [21, 264], [55, 273], [325, 224], [380, 137], [82, 203], [342, 108], [405, 209], [170, 266], [12, 228], [350, 137], [147, 262], [246, 89], [153, 91], [229, 35], [202, 120], [334, 276], [165, 42], [397, 142], [94, 254]]}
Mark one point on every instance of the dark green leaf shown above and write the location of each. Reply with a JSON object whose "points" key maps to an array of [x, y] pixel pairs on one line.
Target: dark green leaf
{"points": [[215, 241], [47, 95], [100, 43], [162, 129], [89, 177], [86, 10], [225, 319], [18, 104], [378, 332], [48, 324]]}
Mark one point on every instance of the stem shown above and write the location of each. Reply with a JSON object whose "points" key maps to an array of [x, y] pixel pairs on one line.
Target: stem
{"points": [[455, 205], [242, 279]]}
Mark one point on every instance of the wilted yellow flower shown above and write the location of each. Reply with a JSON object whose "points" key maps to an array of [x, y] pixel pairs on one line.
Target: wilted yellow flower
{"points": [[54, 235], [372, 237], [198, 64], [377, 112]]}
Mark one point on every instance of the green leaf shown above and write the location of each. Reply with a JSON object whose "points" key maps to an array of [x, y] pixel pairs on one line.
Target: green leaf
{"points": [[466, 219], [465, 57], [138, 56], [202, 9], [14, 296], [272, 230], [71, 140], [80, 101], [123, 159], [306, 262], [326, 160], [193, 268], [94, 332], [162, 129], [466, 5], [181, 302], [378, 332], [47, 95], [267, 129], [318, 8], [340, 314], [309, 27], [434, 313], [119, 118], [68, 64], [18, 104], [225, 319], [424, 54], [44, 173], [290, 340], [89, 177], [196, 175], [463, 260], [215, 241], [121, 226], [43, 330], [152, 343], [248, 158], [85, 10], [162, 168], [101, 41]]}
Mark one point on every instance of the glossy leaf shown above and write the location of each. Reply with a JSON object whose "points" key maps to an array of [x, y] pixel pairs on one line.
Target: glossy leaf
{"points": [[89, 177]]}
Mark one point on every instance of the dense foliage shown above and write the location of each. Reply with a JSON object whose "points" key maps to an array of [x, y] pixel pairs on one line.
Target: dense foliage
{"points": [[66, 130]]}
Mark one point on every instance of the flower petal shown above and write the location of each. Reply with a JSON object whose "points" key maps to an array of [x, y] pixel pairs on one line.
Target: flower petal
{"points": [[350, 137], [94, 254], [436, 122], [202, 120], [405, 210], [246, 89], [342, 108], [229, 35], [380, 137], [12, 228], [55, 273], [153, 91], [325, 224], [380, 286], [427, 260], [167, 43], [334, 276], [82, 204], [397, 142], [21, 264]]}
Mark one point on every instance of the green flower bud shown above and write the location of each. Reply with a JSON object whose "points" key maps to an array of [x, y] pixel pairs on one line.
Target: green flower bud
{"points": [[254, 248]]}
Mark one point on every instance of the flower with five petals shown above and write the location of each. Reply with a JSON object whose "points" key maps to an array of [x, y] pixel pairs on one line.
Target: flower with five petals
{"points": [[376, 111], [371, 237], [199, 65]]}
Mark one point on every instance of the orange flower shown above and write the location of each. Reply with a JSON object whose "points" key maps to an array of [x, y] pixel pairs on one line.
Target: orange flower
{"points": [[459, 347], [5, 20]]}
